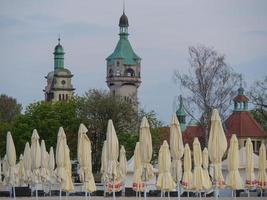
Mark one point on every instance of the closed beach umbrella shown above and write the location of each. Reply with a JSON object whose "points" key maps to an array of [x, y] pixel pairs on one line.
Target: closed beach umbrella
{"points": [[198, 178], [60, 157], [21, 171], [5, 170], [11, 160], [122, 164], [27, 163], [44, 162], [51, 166], [85, 160], [36, 157], [262, 178], [146, 149], [250, 176], [234, 180], [217, 146], [104, 162], [68, 184], [112, 151], [165, 181], [176, 148], [187, 175], [138, 185], [205, 164]]}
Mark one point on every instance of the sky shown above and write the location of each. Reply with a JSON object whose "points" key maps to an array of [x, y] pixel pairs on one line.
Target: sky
{"points": [[160, 33]]}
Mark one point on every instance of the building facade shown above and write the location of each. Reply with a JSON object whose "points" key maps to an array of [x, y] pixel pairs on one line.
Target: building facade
{"points": [[124, 66], [59, 87]]}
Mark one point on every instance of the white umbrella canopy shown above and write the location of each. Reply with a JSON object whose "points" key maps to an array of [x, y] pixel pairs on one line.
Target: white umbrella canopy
{"points": [[104, 162], [68, 184], [233, 180], [85, 159], [5, 170], [187, 175], [35, 157], [146, 149], [27, 163], [61, 173], [165, 181], [51, 166], [205, 164], [217, 146], [44, 163], [262, 177], [122, 164], [21, 171], [10, 178], [176, 148], [198, 177], [112, 151], [138, 185], [250, 176]]}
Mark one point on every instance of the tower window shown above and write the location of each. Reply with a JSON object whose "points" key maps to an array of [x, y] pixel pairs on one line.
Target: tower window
{"points": [[67, 96], [129, 72], [118, 63], [59, 97], [110, 73]]}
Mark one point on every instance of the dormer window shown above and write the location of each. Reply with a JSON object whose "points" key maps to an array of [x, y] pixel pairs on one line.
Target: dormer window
{"points": [[118, 63]]}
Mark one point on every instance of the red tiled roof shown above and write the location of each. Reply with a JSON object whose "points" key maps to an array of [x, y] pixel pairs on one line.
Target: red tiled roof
{"points": [[241, 98], [244, 125], [191, 132]]}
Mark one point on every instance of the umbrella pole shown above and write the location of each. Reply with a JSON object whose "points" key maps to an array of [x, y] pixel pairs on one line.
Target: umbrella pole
{"points": [[261, 192], [36, 191], [178, 190], [60, 193], [145, 185], [14, 192], [113, 187]]}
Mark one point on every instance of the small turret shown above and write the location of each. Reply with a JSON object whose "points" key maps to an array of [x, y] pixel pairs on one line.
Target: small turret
{"points": [[59, 56], [241, 100], [181, 114]]}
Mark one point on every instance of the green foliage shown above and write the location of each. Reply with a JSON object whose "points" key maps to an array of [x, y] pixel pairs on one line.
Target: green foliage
{"points": [[9, 108], [260, 118], [128, 140]]}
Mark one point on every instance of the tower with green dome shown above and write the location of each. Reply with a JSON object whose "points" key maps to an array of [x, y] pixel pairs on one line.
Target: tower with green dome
{"points": [[59, 87], [123, 66]]}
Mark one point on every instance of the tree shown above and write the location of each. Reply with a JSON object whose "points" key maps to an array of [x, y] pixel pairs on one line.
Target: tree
{"points": [[210, 83], [258, 96], [95, 108], [9, 108]]}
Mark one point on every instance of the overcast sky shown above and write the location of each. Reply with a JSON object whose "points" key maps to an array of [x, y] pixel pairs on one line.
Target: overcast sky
{"points": [[160, 33]]}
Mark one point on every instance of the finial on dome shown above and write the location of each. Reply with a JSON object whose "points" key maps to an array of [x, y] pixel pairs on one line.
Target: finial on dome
{"points": [[58, 38]]}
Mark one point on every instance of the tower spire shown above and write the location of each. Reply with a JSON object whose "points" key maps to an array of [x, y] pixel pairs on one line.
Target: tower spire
{"points": [[123, 6]]}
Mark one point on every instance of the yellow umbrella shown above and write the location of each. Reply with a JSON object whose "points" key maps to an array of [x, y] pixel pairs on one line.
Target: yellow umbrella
{"points": [[198, 178], [122, 164], [176, 148], [11, 160], [112, 158], [60, 158], [146, 149], [36, 157], [85, 160], [187, 175], [44, 162], [112, 151], [205, 164], [51, 166], [21, 171], [233, 179], [217, 146], [68, 184], [10, 178], [27, 163], [262, 178], [165, 181], [250, 178], [138, 185], [104, 164]]}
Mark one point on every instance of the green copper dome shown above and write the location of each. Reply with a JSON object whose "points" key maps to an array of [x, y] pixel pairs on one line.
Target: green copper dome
{"points": [[124, 49], [59, 56]]}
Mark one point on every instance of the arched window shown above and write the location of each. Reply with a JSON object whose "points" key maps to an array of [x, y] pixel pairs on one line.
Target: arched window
{"points": [[59, 97], [110, 73], [129, 72]]}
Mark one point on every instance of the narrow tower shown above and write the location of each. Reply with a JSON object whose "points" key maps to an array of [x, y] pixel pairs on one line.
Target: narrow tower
{"points": [[181, 115], [59, 87], [123, 66], [241, 100]]}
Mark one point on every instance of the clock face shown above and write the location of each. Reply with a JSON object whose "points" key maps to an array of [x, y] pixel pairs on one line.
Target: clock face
{"points": [[63, 82]]}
